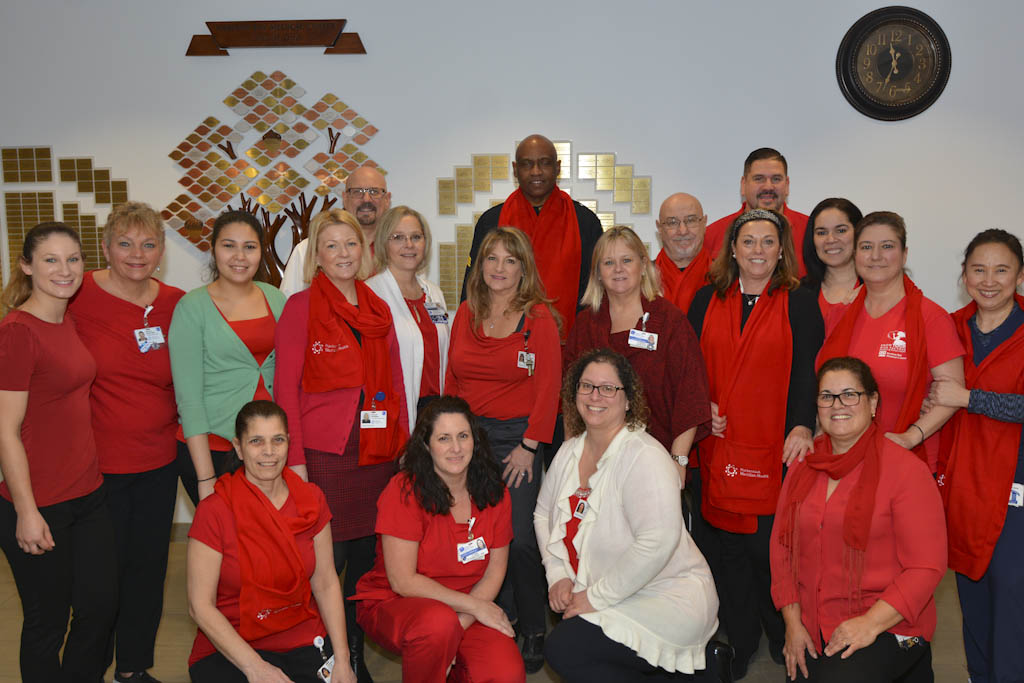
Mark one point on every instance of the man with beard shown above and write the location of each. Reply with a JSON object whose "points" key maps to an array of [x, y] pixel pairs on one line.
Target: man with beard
{"points": [[682, 261], [764, 185], [563, 232], [367, 198]]}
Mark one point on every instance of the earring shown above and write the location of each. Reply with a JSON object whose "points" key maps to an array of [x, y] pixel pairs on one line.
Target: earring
{"points": [[734, 256]]}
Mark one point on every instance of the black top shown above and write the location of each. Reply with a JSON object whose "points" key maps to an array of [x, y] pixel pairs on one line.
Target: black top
{"points": [[808, 335], [590, 230]]}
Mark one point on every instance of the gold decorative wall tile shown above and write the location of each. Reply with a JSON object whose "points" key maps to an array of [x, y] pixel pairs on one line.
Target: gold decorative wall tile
{"points": [[446, 197], [22, 211], [27, 164]]}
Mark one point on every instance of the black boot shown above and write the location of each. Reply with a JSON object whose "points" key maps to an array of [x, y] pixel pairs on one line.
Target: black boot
{"points": [[719, 662], [355, 655]]}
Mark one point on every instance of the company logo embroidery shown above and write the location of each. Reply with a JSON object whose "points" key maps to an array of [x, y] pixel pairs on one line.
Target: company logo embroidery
{"points": [[897, 346], [731, 471], [318, 348]]}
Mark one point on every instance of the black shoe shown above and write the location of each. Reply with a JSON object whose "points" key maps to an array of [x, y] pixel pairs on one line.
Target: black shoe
{"points": [[533, 652], [137, 677], [720, 658], [355, 658], [775, 652]]}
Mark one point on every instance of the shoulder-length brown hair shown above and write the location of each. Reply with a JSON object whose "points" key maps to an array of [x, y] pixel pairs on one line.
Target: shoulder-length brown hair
{"points": [[636, 403], [724, 271], [530, 291]]}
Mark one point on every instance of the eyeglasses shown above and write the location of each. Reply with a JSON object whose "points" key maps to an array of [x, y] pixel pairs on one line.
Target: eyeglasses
{"points": [[606, 390], [402, 239], [360, 192], [847, 398], [690, 221]]}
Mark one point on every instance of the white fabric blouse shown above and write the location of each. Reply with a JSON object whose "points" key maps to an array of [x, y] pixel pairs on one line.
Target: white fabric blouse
{"points": [[410, 339], [650, 586]]}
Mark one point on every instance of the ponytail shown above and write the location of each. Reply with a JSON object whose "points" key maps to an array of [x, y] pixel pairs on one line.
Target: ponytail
{"points": [[19, 288]]}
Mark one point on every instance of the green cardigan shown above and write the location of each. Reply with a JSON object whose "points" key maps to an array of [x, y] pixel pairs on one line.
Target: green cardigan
{"points": [[214, 373]]}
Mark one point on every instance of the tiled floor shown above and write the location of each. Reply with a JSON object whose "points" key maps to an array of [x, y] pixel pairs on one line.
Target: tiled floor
{"points": [[177, 631]]}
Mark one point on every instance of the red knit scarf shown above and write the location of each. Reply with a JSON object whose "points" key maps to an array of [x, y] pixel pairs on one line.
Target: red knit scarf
{"points": [[681, 286], [918, 374], [555, 235], [335, 360], [978, 454], [275, 594], [859, 508], [748, 375]]}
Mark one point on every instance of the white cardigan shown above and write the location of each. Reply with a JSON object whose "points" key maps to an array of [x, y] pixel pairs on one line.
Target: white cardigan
{"points": [[410, 340], [651, 587]]}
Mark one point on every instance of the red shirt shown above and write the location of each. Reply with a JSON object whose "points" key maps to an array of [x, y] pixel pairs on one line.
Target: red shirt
{"points": [[880, 342], [51, 363], [830, 313], [134, 415], [716, 232], [401, 516], [430, 378], [485, 371], [904, 561], [214, 526]]}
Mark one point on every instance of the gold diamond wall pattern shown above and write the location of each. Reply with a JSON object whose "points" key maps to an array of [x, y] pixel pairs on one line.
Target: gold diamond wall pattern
{"points": [[595, 174]]}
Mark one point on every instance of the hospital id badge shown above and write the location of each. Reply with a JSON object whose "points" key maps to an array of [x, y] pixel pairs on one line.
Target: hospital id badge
{"points": [[580, 510], [324, 672], [1017, 496], [373, 419], [526, 360], [639, 339], [149, 338], [471, 551], [438, 315]]}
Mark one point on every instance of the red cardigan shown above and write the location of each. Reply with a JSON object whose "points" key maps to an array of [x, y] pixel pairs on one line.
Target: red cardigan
{"points": [[904, 561], [484, 371], [319, 421]]}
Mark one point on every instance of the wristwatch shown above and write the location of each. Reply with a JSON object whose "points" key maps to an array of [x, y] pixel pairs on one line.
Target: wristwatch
{"points": [[681, 460]]}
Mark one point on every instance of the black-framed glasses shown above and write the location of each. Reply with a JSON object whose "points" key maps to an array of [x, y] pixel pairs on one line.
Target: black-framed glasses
{"points": [[360, 192], [847, 398], [606, 390]]}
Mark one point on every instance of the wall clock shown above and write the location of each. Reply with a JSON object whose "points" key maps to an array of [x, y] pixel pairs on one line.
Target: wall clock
{"points": [[893, 63]]}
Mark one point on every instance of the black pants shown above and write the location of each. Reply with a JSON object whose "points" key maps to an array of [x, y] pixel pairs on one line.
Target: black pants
{"points": [[300, 665], [355, 557], [884, 661], [78, 576], [580, 651], [744, 585], [524, 594], [141, 509], [187, 471]]}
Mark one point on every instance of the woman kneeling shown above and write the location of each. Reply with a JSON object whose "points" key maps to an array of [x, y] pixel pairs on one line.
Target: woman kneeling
{"points": [[259, 555], [444, 524]]}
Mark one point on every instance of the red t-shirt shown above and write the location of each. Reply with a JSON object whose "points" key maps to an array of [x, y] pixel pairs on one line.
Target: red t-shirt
{"points": [[214, 526], [51, 363], [881, 343], [401, 516], [430, 379], [134, 416], [486, 371]]}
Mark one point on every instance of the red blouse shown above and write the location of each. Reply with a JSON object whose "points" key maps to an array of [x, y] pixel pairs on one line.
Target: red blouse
{"points": [[430, 378]]}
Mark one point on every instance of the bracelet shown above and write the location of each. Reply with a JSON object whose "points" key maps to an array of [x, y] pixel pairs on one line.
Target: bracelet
{"points": [[527, 448], [207, 479], [914, 424]]}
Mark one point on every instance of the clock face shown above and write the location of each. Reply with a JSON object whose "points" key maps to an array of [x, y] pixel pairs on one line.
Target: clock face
{"points": [[893, 63]]}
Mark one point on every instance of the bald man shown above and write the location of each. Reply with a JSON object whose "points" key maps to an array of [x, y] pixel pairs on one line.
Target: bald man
{"points": [[367, 198], [682, 261], [563, 231]]}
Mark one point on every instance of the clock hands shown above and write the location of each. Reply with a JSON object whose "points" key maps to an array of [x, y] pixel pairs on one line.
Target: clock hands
{"points": [[893, 68]]}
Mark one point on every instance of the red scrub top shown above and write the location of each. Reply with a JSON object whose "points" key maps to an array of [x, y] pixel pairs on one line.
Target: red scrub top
{"points": [[400, 515]]}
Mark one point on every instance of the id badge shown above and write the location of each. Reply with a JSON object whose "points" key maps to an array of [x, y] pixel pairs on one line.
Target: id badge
{"points": [[526, 360], [324, 672], [580, 509], [1017, 495], [438, 315], [373, 419], [470, 551], [149, 338], [639, 339]]}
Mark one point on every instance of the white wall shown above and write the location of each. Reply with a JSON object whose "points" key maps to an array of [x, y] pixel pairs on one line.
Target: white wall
{"points": [[683, 90]]}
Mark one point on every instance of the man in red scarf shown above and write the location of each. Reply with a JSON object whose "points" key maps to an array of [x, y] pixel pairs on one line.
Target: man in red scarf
{"points": [[367, 198], [764, 185], [563, 231], [682, 261]]}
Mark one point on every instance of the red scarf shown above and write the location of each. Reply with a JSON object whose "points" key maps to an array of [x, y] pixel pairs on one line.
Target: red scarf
{"points": [[555, 235], [335, 360], [978, 454], [918, 374], [275, 594], [859, 508], [748, 375], [681, 286]]}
